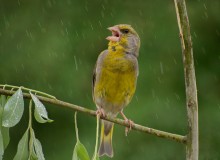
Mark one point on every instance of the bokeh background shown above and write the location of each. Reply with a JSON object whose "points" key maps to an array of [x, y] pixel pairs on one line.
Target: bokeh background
{"points": [[52, 46]]}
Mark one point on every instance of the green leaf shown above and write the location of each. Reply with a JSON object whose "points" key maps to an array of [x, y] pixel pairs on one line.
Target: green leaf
{"points": [[4, 130], [32, 155], [2, 104], [2, 100], [22, 151], [1, 146], [80, 152], [40, 112], [38, 149], [6, 136], [13, 109]]}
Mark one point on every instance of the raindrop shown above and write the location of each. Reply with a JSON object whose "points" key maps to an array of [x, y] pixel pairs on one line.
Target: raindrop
{"points": [[140, 12], [111, 14], [136, 97], [91, 26], [206, 14], [86, 8], [203, 51], [153, 93], [177, 96], [205, 6], [76, 65], [100, 24], [161, 67], [102, 14], [195, 35], [49, 3], [159, 80], [83, 35], [174, 60], [103, 7], [217, 32], [77, 34], [22, 65], [66, 31], [69, 2], [61, 21], [157, 116], [49, 86]]}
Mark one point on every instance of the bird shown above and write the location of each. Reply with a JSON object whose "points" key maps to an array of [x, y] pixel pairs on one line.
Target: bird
{"points": [[114, 80]]}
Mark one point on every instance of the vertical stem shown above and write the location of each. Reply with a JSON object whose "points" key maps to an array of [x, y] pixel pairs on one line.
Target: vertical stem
{"points": [[97, 138], [76, 128], [192, 147]]}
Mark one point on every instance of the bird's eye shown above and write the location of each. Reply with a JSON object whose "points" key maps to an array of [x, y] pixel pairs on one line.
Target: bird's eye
{"points": [[125, 31]]}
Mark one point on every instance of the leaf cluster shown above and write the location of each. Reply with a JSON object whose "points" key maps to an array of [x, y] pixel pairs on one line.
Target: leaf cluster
{"points": [[11, 112]]}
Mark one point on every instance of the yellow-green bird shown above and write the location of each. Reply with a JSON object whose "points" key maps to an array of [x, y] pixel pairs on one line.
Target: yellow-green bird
{"points": [[114, 79]]}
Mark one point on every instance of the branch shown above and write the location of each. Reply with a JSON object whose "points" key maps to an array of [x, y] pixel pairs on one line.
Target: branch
{"points": [[192, 147], [162, 134]]}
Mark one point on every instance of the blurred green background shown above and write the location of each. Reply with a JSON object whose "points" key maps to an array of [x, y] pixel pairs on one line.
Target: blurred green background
{"points": [[52, 46]]}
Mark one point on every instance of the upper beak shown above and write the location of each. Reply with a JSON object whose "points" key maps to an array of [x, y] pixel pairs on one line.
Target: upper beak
{"points": [[115, 34]]}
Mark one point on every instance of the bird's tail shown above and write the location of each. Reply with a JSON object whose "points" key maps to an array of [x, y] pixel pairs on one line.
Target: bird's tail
{"points": [[106, 139]]}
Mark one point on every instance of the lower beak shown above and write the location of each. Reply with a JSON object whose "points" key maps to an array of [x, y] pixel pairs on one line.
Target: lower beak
{"points": [[115, 34]]}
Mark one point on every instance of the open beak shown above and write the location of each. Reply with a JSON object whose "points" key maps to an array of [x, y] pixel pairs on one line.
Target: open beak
{"points": [[115, 34]]}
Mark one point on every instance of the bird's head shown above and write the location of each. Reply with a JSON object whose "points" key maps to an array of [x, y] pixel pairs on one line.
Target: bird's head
{"points": [[123, 35]]}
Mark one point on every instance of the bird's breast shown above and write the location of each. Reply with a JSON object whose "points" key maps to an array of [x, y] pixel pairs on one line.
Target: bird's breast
{"points": [[116, 82]]}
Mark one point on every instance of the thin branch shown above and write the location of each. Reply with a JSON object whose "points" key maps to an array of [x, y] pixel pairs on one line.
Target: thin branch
{"points": [[28, 89], [192, 147], [162, 134]]}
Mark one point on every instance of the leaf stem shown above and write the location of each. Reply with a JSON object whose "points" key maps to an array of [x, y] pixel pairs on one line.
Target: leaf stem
{"points": [[76, 128], [27, 89], [97, 137], [30, 115]]}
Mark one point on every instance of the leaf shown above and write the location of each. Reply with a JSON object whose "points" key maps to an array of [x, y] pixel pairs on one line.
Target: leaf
{"points": [[6, 136], [2, 100], [32, 155], [80, 152], [1, 145], [2, 104], [13, 109], [38, 149], [22, 151], [4, 130], [40, 112]]}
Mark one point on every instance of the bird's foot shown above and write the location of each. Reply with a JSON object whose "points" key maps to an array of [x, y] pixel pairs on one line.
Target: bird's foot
{"points": [[130, 122], [100, 112]]}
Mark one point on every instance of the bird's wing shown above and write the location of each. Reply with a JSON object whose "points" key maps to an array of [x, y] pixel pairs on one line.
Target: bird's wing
{"points": [[97, 69]]}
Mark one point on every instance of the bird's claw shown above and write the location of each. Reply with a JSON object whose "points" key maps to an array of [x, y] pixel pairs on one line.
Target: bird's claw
{"points": [[128, 129], [130, 122], [100, 112]]}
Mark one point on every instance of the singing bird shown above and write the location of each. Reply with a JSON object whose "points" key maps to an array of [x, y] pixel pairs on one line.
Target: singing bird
{"points": [[114, 79]]}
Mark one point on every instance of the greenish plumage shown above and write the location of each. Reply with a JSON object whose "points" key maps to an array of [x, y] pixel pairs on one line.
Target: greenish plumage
{"points": [[115, 77]]}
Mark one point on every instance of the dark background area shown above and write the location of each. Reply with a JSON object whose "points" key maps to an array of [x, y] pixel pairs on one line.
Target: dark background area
{"points": [[52, 46]]}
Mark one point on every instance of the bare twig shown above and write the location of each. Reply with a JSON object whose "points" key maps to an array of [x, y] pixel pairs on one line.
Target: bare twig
{"points": [[192, 147], [162, 134]]}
